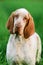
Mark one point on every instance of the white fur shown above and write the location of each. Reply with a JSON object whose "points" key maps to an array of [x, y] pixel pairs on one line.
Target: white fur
{"points": [[20, 49]]}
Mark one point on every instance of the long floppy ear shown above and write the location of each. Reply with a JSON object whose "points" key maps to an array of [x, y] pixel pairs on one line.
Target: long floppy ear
{"points": [[29, 28], [10, 23]]}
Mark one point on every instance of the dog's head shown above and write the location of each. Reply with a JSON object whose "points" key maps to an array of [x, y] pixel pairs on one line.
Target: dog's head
{"points": [[21, 22]]}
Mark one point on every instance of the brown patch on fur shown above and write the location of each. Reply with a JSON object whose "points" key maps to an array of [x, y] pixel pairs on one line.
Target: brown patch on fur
{"points": [[10, 23], [29, 28]]}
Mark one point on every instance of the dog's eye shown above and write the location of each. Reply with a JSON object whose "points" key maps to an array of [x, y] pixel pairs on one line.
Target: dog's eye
{"points": [[24, 18], [16, 16]]}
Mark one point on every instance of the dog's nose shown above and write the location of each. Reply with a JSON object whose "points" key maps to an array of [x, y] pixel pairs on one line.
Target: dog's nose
{"points": [[18, 25]]}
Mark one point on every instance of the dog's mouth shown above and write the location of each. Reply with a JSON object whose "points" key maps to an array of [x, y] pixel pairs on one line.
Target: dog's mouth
{"points": [[17, 34], [17, 30]]}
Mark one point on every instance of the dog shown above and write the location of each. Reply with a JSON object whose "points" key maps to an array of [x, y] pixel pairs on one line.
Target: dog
{"points": [[24, 44]]}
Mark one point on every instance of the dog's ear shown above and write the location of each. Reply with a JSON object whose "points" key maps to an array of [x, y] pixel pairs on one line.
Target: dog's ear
{"points": [[29, 28], [10, 23]]}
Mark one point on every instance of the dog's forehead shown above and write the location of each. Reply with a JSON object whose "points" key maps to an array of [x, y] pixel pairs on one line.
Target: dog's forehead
{"points": [[21, 11]]}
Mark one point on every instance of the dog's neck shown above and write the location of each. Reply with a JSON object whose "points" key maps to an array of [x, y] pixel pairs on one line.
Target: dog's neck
{"points": [[20, 38]]}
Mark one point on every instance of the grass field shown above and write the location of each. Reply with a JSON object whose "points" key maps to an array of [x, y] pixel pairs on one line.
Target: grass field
{"points": [[6, 7]]}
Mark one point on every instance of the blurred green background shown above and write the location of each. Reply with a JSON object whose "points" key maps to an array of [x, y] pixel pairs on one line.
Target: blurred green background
{"points": [[35, 7]]}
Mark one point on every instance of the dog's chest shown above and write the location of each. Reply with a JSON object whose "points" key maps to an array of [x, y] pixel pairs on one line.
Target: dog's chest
{"points": [[20, 49]]}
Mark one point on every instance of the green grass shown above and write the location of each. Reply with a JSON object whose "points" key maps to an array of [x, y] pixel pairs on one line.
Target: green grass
{"points": [[6, 7]]}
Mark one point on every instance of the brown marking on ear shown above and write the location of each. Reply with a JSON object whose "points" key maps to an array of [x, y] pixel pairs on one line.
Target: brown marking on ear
{"points": [[29, 28], [10, 23]]}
